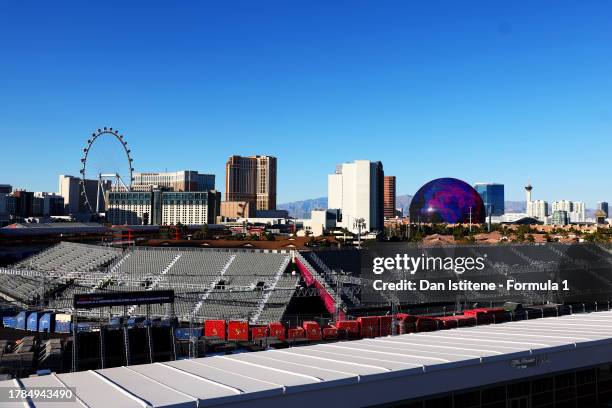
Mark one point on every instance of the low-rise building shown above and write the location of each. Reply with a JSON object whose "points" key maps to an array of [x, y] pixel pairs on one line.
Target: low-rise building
{"points": [[237, 209]]}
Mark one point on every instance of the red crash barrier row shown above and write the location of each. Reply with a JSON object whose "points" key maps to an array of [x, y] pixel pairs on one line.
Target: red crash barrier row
{"points": [[362, 327]]}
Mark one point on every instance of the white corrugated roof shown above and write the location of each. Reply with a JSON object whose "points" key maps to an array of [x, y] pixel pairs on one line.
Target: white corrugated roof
{"points": [[351, 373]]}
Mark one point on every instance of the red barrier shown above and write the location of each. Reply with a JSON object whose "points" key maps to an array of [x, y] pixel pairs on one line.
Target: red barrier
{"points": [[426, 323], [296, 333], [214, 328], [447, 322], [450, 322], [350, 327], [330, 333], [385, 325], [276, 329], [237, 331], [259, 332], [369, 326], [313, 330], [485, 315]]}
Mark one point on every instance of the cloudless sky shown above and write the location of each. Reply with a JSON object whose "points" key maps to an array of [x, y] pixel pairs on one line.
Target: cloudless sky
{"points": [[479, 90]]}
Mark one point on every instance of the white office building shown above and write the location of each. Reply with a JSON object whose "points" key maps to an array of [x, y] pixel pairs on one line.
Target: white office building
{"points": [[563, 205], [575, 209], [357, 189], [538, 209], [578, 215]]}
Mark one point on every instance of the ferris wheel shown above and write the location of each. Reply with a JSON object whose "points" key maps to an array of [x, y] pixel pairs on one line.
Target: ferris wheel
{"points": [[109, 179]]}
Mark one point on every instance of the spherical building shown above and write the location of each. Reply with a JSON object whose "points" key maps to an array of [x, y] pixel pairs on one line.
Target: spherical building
{"points": [[447, 200]]}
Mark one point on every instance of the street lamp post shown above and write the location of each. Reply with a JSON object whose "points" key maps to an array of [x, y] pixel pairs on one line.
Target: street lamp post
{"points": [[359, 223]]}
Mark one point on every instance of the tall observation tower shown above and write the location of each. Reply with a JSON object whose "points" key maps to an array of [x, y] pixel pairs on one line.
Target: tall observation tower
{"points": [[528, 189], [528, 205]]}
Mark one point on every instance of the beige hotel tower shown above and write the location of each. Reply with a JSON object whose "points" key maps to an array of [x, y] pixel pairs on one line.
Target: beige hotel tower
{"points": [[251, 179]]}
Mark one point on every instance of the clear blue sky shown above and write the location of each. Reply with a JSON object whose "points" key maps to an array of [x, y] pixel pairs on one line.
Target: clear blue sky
{"points": [[479, 90]]}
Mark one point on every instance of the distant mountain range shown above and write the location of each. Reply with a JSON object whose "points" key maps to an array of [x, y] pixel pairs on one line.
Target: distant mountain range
{"points": [[302, 209], [515, 206]]}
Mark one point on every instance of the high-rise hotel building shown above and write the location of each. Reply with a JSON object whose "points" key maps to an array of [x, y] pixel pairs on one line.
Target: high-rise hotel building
{"points": [[251, 179], [390, 197], [186, 180], [357, 190]]}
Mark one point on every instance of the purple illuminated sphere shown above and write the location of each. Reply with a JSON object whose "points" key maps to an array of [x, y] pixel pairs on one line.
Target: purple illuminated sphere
{"points": [[447, 200]]}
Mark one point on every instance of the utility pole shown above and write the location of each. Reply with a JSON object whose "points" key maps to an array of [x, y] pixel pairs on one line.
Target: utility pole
{"points": [[470, 219]]}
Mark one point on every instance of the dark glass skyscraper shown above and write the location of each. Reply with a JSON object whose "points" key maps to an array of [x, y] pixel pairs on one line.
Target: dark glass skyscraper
{"points": [[493, 197], [603, 206]]}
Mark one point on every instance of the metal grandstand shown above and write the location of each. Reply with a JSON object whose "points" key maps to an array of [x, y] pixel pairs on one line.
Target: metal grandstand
{"points": [[222, 284], [257, 285]]}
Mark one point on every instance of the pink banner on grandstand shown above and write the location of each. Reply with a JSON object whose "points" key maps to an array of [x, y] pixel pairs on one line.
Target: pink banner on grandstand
{"points": [[328, 300], [308, 278]]}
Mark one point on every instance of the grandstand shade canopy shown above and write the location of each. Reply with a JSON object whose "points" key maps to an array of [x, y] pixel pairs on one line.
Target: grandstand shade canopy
{"points": [[346, 374]]}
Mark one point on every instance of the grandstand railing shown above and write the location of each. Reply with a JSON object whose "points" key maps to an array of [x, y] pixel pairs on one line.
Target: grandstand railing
{"points": [[330, 298]]}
